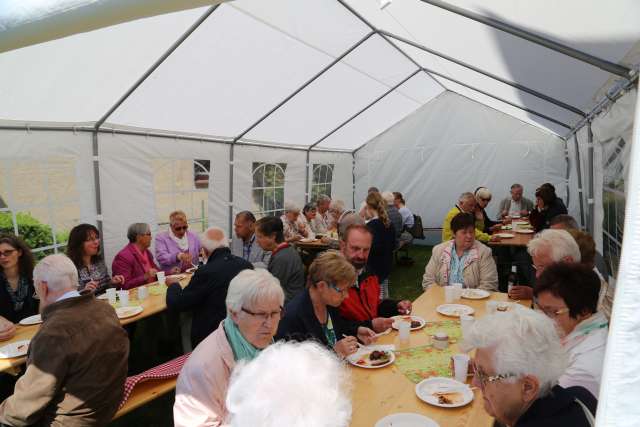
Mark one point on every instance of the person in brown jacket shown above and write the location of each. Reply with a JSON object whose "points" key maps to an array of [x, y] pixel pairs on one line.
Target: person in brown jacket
{"points": [[77, 361]]}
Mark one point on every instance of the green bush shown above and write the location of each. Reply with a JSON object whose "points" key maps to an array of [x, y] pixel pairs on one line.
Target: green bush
{"points": [[34, 233]]}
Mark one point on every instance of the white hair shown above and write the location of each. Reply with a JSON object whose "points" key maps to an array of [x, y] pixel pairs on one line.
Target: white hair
{"points": [[212, 244], [323, 198], [466, 196], [337, 205], [483, 193], [251, 286], [290, 206], [388, 197], [560, 243], [290, 384], [58, 271], [524, 342]]}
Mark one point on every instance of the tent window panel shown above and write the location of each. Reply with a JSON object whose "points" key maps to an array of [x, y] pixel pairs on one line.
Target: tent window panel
{"points": [[268, 188], [181, 184], [615, 165], [39, 200], [322, 180]]}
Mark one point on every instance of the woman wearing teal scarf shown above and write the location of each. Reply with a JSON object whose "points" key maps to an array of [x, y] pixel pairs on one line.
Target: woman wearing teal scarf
{"points": [[254, 307]]}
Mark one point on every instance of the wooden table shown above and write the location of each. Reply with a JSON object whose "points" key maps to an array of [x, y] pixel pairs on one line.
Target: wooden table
{"points": [[152, 305], [314, 245], [145, 392], [519, 239], [381, 392]]}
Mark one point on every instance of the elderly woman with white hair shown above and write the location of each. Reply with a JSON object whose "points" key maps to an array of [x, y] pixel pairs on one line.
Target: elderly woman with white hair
{"points": [[293, 227], [337, 210], [177, 247], [548, 247], [254, 307], [205, 294], [286, 394], [483, 197], [466, 204], [518, 362]]}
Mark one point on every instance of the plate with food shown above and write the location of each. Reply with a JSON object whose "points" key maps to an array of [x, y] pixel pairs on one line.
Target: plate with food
{"points": [[406, 419], [102, 296], [305, 240], [506, 227], [502, 306], [125, 312], [475, 294], [371, 358], [14, 349], [191, 270], [31, 320], [519, 223], [454, 310], [505, 235], [444, 392], [177, 276], [524, 231], [417, 322]]}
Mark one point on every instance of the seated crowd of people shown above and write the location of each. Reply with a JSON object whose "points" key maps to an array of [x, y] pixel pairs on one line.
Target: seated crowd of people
{"points": [[256, 311]]}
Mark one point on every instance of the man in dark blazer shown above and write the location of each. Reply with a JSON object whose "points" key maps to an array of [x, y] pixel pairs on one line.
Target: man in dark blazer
{"points": [[206, 293]]}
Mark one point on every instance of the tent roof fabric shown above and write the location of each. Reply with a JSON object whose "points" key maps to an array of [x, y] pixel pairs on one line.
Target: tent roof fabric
{"points": [[249, 56]]}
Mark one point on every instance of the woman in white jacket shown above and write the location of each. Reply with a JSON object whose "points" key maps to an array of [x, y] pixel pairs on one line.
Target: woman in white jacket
{"points": [[568, 293]]}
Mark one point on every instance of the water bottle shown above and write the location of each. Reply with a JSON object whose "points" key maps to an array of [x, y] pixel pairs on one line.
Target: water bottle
{"points": [[512, 280]]}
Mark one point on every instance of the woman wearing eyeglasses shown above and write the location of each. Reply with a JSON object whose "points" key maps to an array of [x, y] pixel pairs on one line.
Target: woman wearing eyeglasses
{"points": [[568, 294], [517, 364], [16, 284], [135, 262], [83, 248], [254, 307], [313, 314], [177, 247], [483, 222]]}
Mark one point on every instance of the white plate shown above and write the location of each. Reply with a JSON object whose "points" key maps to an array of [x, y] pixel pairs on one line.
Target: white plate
{"points": [[191, 270], [519, 223], [475, 294], [406, 419], [102, 296], [506, 227], [503, 306], [15, 349], [31, 320], [505, 235], [454, 310], [177, 276], [364, 351], [398, 319], [426, 388], [124, 312], [524, 231], [307, 240]]}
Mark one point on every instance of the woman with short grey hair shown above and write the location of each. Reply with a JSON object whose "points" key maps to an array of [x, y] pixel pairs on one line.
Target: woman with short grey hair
{"points": [[518, 362], [254, 307], [294, 228], [135, 262]]}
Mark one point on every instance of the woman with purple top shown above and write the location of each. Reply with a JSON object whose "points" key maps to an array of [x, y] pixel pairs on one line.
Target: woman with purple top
{"points": [[177, 247]]}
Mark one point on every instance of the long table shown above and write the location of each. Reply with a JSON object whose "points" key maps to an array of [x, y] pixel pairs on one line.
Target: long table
{"points": [[381, 392], [153, 304]]}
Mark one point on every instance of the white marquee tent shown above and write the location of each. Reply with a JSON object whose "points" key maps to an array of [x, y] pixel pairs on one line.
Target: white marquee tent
{"points": [[115, 112]]}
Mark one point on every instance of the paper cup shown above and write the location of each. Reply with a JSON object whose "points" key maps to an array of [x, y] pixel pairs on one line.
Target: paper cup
{"points": [[123, 296], [491, 306], [466, 322], [111, 295], [458, 287], [143, 293], [450, 294], [161, 277], [460, 367]]}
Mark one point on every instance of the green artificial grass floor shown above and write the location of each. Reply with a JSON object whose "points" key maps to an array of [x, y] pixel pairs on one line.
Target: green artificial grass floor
{"points": [[148, 349]]}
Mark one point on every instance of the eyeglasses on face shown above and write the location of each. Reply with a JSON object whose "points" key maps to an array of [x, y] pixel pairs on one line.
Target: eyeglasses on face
{"points": [[485, 379], [264, 317], [181, 228], [337, 289], [548, 311], [7, 253]]}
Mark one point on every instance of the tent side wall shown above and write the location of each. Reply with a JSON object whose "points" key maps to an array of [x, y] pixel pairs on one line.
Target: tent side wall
{"points": [[452, 145]]}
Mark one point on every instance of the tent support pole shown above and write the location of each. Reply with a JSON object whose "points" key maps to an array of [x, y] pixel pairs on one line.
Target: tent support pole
{"points": [[590, 200], [534, 38], [372, 103], [304, 85], [528, 110], [583, 220], [156, 64], [306, 180], [231, 157], [96, 184], [353, 175], [515, 85]]}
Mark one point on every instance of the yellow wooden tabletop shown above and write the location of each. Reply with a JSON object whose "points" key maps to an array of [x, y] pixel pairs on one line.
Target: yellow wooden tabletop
{"points": [[381, 392], [154, 303]]}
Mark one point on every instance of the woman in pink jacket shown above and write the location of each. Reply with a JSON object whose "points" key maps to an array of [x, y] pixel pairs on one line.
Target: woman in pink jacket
{"points": [[177, 247], [135, 262]]}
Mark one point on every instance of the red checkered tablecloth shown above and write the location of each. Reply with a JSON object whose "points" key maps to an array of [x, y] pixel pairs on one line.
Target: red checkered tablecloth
{"points": [[167, 370]]}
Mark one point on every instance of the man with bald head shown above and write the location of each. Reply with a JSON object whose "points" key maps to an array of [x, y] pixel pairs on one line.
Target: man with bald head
{"points": [[206, 293], [77, 361]]}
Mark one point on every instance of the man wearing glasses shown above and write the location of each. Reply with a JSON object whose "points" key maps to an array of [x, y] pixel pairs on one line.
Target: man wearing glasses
{"points": [[177, 247], [518, 362]]}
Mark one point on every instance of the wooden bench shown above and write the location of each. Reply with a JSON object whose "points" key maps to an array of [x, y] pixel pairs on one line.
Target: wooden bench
{"points": [[145, 392]]}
